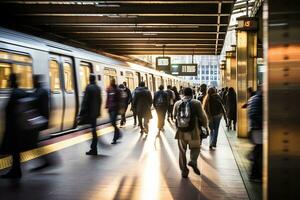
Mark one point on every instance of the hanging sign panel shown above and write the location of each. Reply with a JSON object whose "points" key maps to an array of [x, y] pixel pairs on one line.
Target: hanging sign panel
{"points": [[184, 69], [163, 64]]}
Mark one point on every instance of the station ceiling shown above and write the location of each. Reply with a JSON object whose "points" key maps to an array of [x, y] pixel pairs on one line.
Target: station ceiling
{"points": [[128, 27]]}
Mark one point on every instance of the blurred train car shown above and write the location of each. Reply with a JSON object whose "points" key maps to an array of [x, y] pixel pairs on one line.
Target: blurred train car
{"points": [[66, 70]]}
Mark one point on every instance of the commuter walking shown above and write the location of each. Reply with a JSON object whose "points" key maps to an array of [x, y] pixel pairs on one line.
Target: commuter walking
{"points": [[231, 108], [42, 96], [214, 109], [177, 96], [181, 91], [203, 91], [224, 94], [171, 101], [90, 110], [255, 114], [189, 115], [113, 106], [12, 134], [142, 101], [126, 99], [160, 104], [133, 107]]}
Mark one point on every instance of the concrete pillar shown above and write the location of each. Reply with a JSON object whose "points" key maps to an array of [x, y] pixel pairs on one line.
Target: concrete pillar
{"points": [[246, 68]]}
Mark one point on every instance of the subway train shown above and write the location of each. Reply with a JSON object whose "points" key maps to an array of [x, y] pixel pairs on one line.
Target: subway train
{"points": [[66, 70]]}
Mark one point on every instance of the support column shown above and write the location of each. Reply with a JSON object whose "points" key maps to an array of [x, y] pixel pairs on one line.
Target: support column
{"points": [[281, 100], [246, 69], [223, 73], [231, 68]]}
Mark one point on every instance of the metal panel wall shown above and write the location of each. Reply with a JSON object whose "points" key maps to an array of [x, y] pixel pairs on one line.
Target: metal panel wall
{"points": [[282, 95]]}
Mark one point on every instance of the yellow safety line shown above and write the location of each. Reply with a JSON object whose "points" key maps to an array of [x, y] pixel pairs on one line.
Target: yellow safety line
{"points": [[41, 151]]}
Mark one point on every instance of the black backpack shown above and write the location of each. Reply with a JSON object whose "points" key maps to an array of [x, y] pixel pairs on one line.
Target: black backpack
{"points": [[185, 119], [161, 100]]}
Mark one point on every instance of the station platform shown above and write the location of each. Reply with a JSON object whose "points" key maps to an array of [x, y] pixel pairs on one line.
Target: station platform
{"points": [[138, 167]]}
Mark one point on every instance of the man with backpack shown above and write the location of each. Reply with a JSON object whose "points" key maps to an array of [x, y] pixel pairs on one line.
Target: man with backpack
{"points": [[189, 115], [126, 99], [160, 104]]}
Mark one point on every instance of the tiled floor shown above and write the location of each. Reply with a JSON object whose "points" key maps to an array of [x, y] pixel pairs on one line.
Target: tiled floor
{"points": [[136, 168]]}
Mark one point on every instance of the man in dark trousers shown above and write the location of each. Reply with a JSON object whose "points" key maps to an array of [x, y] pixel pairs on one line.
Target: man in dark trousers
{"points": [[126, 95], [90, 110], [142, 102], [160, 104], [113, 106]]}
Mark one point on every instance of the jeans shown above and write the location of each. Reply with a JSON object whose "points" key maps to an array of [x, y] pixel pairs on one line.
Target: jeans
{"points": [[170, 111], [95, 137], [123, 117], [256, 170], [214, 125], [113, 114]]}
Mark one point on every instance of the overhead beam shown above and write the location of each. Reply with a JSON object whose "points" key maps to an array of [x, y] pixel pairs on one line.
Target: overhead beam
{"points": [[116, 2]]}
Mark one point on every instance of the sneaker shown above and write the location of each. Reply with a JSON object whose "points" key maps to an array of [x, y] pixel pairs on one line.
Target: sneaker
{"points": [[91, 153], [114, 142], [195, 168]]}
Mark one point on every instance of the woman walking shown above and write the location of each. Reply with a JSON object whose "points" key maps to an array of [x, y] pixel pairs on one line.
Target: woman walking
{"points": [[214, 109]]}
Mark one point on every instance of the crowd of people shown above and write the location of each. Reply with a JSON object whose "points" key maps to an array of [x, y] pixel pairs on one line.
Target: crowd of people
{"points": [[193, 111]]}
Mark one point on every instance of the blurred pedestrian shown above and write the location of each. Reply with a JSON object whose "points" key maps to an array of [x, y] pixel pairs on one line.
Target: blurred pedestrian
{"points": [[203, 91], [113, 106], [12, 134], [214, 109], [42, 95], [189, 115], [171, 101], [126, 99], [142, 101], [231, 108], [90, 110], [160, 104], [255, 114], [133, 107], [177, 96]]}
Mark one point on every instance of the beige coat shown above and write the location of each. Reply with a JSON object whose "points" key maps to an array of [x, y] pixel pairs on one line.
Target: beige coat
{"points": [[200, 116]]}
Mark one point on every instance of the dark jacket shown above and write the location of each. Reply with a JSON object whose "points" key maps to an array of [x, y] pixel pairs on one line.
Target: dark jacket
{"points": [[129, 99], [161, 106], [231, 106], [42, 101], [91, 102], [214, 106], [113, 98], [142, 102], [255, 112], [12, 133]]}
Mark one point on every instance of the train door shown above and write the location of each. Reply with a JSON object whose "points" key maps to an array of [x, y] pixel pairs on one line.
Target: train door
{"points": [[57, 101], [69, 93], [63, 98]]}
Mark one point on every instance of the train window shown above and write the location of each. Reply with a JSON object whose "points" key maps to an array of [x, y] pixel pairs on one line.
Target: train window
{"points": [[54, 75], [69, 87], [109, 74], [15, 63], [5, 70], [129, 79], [85, 71], [25, 80], [151, 83]]}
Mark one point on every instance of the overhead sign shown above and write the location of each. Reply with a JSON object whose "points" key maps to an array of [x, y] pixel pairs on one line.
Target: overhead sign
{"points": [[163, 64], [184, 69], [247, 23]]}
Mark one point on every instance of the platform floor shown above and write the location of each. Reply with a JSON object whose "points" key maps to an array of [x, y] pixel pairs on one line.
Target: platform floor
{"points": [[135, 168]]}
